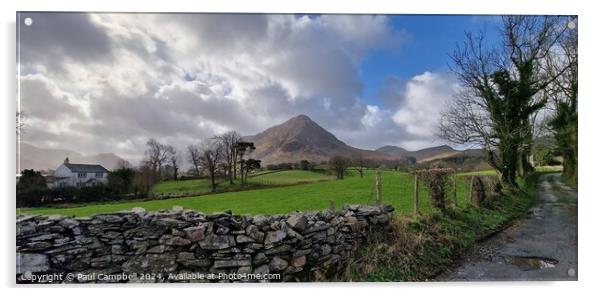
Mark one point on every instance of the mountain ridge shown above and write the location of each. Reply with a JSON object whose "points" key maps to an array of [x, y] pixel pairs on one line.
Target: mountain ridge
{"points": [[420, 155], [301, 138]]}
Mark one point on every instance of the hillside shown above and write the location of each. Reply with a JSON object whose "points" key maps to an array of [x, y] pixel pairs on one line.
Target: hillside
{"points": [[421, 155], [36, 158], [301, 138]]}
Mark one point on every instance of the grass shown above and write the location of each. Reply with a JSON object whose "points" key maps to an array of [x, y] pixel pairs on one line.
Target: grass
{"points": [[484, 173], [419, 248], [263, 178], [549, 168], [397, 190]]}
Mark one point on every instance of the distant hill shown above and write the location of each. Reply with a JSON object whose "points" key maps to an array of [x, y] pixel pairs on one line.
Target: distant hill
{"points": [[301, 138], [421, 155], [36, 158], [467, 160]]}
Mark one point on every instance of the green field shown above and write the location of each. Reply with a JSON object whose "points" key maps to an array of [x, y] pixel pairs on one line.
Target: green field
{"points": [[397, 188], [266, 178], [483, 173]]}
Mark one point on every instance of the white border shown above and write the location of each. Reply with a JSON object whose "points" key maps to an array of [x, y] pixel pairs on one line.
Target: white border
{"points": [[589, 240]]}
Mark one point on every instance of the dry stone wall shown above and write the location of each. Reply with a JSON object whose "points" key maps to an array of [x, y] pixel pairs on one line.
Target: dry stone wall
{"points": [[188, 246]]}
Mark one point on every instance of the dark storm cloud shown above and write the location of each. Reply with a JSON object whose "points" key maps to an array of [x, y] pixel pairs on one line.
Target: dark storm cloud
{"points": [[54, 37], [45, 101]]}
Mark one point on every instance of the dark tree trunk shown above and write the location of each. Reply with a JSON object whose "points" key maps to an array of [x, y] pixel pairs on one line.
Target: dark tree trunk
{"points": [[230, 174], [509, 162], [212, 173], [234, 159], [242, 172]]}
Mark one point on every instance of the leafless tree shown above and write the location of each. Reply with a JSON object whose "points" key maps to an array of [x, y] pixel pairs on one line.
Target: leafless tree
{"points": [[156, 154], [228, 141], [145, 178], [339, 164], [174, 160], [124, 164], [243, 148], [359, 163], [194, 157], [502, 91], [212, 153]]}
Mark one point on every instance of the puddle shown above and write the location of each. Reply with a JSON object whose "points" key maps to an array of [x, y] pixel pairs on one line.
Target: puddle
{"points": [[534, 213], [531, 263]]}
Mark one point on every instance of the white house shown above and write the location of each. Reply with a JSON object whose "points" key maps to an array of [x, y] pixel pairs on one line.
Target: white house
{"points": [[74, 174]]}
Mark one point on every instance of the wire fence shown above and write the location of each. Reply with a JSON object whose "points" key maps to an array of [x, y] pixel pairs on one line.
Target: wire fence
{"points": [[397, 189]]}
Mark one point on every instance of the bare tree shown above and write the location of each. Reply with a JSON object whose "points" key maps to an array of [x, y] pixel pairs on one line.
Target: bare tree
{"points": [[359, 163], [229, 140], [124, 164], [174, 160], [339, 164], [243, 148], [212, 152], [156, 154], [502, 91], [194, 157], [145, 178]]}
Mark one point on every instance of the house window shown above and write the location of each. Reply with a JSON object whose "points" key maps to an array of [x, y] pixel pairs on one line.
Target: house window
{"points": [[99, 175], [81, 175]]}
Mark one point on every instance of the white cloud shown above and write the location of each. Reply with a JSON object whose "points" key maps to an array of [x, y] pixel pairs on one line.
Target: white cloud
{"points": [[372, 116], [424, 98]]}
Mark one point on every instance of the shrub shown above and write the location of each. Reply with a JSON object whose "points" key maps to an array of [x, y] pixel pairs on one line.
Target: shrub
{"points": [[483, 189], [68, 194], [437, 181], [31, 180], [280, 166]]}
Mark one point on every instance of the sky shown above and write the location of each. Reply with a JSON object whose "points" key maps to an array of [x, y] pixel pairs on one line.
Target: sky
{"points": [[96, 83]]}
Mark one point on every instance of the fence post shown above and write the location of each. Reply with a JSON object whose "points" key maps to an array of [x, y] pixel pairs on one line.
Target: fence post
{"points": [[332, 206], [454, 179], [378, 188], [415, 194]]}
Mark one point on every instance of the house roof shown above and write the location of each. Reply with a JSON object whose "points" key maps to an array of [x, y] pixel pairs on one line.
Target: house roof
{"points": [[86, 168]]}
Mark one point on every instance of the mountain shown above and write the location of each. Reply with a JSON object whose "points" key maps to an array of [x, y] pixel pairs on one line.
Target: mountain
{"points": [[301, 138], [36, 158], [426, 154], [393, 150]]}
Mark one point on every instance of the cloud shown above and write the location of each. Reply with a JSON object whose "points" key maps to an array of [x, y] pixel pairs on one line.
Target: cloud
{"points": [[44, 100], [107, 82], [409, 117], [55, 38], [424, 98]]}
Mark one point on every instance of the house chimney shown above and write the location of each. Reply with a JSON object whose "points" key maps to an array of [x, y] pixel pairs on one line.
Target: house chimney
{"points": [[66, 160]]}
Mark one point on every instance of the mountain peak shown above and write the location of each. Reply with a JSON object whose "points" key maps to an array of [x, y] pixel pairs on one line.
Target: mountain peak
{"points": [[300, 118], [296, 139]]}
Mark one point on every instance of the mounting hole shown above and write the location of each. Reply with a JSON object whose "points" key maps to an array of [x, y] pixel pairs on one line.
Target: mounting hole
{"points": [[571, 272], [571, 25], [28, 21]]}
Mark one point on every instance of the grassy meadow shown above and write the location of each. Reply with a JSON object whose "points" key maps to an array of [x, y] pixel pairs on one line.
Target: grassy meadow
{"points": [[263, 178], [397, 189]]}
